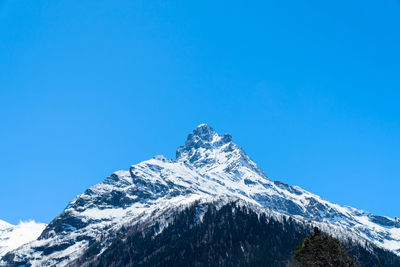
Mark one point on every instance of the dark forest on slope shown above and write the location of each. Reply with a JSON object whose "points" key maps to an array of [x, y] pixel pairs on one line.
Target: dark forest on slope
{"points": [[230, 236]]}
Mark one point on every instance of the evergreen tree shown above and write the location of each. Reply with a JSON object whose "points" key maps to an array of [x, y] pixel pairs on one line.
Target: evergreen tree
{"points": [[321, 250]]}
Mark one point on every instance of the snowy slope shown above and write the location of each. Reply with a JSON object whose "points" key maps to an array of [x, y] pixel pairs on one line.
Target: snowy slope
{"points": [[208, 167], [13, 236]]}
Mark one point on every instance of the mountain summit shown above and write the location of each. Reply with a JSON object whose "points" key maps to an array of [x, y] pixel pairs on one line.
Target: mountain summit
{"points": [[207, 150], [209, 168], [202, 141]]}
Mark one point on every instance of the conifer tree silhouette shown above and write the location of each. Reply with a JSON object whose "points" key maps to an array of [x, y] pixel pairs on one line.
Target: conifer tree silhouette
{"points": [[321, 250]]}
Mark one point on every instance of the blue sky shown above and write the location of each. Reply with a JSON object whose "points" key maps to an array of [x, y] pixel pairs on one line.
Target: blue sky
{"points": [[310, 90]]}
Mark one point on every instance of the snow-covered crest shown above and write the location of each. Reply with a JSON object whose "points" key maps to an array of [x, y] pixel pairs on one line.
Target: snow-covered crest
{"points": [[13, 236], [208, 151], [4, 225]]}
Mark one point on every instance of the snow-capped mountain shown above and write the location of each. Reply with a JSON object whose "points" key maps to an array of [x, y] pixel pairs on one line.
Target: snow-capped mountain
{"points": [[209, 167], [13, 236]]}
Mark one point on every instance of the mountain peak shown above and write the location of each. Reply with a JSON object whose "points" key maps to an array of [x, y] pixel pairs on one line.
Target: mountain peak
{"points": [[209, 168], [203, 131], [202, 134], [202, 139], [205, 149]]}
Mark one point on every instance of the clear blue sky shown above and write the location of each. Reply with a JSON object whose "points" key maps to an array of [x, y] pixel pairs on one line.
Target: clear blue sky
{"points": [[310, 90]]}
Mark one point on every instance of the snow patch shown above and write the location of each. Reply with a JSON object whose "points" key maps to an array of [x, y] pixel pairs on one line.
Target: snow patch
{"points": [[14, 236]]}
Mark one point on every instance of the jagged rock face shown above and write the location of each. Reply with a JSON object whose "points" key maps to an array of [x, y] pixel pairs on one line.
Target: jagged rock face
{"points": [[208, 151], [208, 166]]}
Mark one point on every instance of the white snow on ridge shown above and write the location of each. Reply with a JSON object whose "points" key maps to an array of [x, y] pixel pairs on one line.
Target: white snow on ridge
{"points": [[4, 225], [14, 236]]}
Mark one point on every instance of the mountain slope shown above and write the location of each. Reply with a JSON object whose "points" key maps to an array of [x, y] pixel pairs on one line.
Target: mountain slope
{"points": [[207, 166], [13, 236], [232, 234]]}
